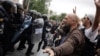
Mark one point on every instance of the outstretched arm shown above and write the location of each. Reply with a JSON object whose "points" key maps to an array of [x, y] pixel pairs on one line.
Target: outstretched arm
{"points": [[97, 16]]}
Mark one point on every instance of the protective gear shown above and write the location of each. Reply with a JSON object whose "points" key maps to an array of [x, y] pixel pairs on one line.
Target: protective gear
{"points": [[19, 6], [44, 16], [32, 12], [8, 5], [20, 9], [48, 28], [24, 26], [39, 15]]}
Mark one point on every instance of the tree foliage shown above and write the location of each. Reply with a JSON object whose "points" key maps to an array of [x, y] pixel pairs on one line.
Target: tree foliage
{"points": [[61, 16], [54, 17], [40, 5], [58, 17]]}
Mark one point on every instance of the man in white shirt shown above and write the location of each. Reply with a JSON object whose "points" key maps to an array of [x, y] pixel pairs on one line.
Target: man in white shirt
{"points": [[90, 31]]}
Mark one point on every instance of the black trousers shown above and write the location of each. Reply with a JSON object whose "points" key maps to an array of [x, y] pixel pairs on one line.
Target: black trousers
{"points": [[1, 45], [21, 37], [26, 37], [7, 44], [88, 51], [1, 49], [40, 43]]}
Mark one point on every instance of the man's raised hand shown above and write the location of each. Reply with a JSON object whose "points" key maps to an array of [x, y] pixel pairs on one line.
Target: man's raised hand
{"points": [[97, 3]]}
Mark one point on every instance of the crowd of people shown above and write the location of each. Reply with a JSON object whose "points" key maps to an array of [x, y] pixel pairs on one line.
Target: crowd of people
{"points": [[78, 41], [66, 38]]}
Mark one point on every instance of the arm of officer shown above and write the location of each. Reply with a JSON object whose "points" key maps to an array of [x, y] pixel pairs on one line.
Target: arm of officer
{"points": [[67, 47], [1, 15], [97, 16]]}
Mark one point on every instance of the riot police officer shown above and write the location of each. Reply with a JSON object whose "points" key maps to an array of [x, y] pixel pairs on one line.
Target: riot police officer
{"points": [[31, 29], [38, 24], [1, 32], [27, 34], [7, 8], [18, 20], [45, 18]]}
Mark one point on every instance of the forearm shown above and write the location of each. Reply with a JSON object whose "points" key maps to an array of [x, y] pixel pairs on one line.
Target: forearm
{"points": [[97, 19], [93, 36], [64, 49]]}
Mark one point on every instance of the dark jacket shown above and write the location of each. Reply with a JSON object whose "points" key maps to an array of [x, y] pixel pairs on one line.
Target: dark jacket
{"points": [[44, 29]]}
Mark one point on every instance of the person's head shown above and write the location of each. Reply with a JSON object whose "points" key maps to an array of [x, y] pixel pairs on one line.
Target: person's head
{"points": [[44, 16], [9, 6], [71, 20], [20, 8], [88, 20], [39, 15], [32, 13], [49, 26]]}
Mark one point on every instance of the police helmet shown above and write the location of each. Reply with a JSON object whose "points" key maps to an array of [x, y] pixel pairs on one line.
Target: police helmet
{"points": [[39, 15], [7, 5], [44, 16], [32, 12], [19, 6]]}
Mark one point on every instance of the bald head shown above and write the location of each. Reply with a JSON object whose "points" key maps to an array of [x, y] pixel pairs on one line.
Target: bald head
{"points": [[71, 19]]}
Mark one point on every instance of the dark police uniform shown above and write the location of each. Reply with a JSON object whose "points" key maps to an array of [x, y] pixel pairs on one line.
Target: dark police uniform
{"points": [[8, 27]]}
